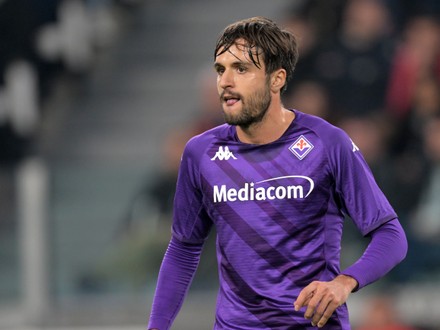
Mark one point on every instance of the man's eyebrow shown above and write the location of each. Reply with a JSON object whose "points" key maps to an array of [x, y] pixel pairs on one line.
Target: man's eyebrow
{"points": [[234, 64], [218, 66], [241, 63]]}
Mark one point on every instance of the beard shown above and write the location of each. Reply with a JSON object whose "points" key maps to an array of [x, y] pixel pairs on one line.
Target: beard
{"points": [[253, 110]]}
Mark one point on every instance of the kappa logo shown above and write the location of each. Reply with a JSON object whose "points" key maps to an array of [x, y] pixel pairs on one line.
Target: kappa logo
{"points": [[223, 153], [301, 147], [355, 147]]}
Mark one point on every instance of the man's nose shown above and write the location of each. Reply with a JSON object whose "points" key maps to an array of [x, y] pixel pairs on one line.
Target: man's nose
{"points": [[226, 79]]}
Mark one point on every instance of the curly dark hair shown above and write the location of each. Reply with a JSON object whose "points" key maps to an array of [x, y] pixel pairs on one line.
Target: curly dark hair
{"points": [[263, 38]]}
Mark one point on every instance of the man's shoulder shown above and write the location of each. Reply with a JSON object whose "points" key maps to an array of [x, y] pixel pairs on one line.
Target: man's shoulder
{"points": [[326, 131], [202, 141]]}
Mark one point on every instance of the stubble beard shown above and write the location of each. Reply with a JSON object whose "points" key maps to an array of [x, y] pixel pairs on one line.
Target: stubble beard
{"points": [[254, 108]]}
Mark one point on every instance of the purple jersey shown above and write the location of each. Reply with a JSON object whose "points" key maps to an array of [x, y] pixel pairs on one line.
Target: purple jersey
{"points": [[278, 210]]}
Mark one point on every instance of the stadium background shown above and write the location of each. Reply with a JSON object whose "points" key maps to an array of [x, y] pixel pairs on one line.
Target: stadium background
{"points": [[97, 98]]}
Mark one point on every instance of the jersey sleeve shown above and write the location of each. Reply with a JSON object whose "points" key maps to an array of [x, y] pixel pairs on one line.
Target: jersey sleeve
{"points": [[191, 223], [359, 194], [191, 226], [175, 276], [387, 248]]}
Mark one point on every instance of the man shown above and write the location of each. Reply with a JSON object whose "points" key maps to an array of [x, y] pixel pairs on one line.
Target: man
{"points": [[276, 183]]}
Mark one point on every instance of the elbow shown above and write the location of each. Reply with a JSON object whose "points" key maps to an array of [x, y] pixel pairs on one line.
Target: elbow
{"points": [[399, 241], [395, 243], [404, 246]]}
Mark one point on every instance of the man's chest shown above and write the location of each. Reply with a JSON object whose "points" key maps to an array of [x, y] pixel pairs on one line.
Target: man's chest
{"points": [[287, 171]]}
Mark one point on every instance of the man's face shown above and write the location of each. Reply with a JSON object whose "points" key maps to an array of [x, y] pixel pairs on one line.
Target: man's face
{"points": [[244, 88]]}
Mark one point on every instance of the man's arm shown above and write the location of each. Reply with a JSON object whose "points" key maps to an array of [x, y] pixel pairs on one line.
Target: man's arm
{"points": [[387, 248], [176, 273]]}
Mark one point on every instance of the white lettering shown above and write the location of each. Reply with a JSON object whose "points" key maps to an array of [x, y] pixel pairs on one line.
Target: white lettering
{"points": [[269, 193], [249, 192], [243, 193], [295, 192], [261, 194], [280, 192], [232, 195], [219, 195]]}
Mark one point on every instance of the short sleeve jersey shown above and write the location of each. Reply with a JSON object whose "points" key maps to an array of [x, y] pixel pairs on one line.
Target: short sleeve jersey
{"points": [[278, 210]]}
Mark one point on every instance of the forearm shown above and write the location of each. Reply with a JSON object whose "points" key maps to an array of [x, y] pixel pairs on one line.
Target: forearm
{"points": [[387, 248], [176, 273]]}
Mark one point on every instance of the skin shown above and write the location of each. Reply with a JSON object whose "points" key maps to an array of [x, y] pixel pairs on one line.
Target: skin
{"points": [[322, 298], [251, 100], [244, 90]]}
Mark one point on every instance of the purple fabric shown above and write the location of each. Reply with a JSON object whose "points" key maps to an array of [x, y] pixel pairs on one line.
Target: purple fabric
{"points": [[178, 268], [278, 210], [387, 248]]}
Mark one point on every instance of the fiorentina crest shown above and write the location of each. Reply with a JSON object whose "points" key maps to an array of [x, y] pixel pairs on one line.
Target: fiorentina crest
{"points": [[301, 147]]}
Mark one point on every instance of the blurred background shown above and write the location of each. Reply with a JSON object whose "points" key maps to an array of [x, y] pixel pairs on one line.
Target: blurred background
{"points": [[97, 99]]}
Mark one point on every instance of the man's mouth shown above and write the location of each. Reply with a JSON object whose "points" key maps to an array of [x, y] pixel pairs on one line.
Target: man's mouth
{"points": [[230, 99]]}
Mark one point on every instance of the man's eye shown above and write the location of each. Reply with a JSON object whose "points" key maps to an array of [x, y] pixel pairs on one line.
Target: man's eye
{"points": [[241, 69]]}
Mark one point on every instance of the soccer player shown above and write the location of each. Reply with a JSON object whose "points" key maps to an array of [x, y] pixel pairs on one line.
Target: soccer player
{"points": [[276, 183]]}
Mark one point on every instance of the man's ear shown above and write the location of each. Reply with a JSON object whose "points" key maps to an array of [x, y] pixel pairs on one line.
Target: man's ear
{"points": [[278, 80]]}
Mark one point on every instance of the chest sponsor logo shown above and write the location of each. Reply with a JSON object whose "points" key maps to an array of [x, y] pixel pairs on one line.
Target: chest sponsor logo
{"points": [[301, 147], [265, 190]]}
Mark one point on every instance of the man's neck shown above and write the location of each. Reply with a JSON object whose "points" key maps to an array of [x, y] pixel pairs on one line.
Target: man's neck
{"points": [[271, 128]]}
